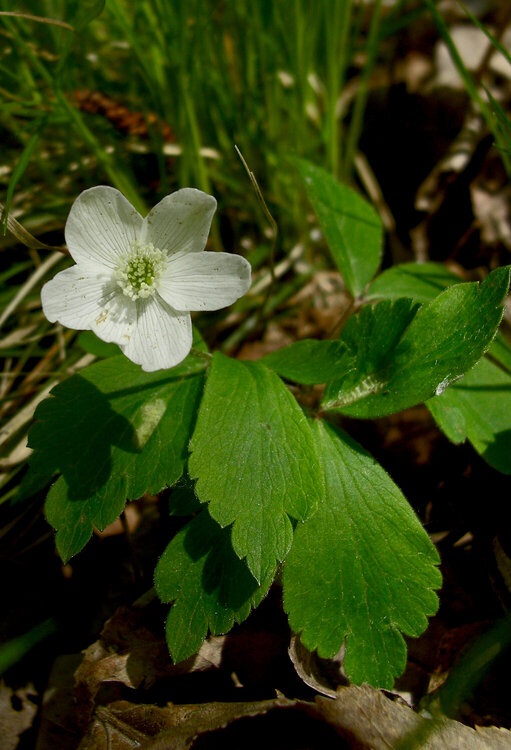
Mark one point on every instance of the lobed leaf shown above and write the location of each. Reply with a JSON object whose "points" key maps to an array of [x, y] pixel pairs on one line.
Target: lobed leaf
{"points": [[444, 340], [309, 361], [90, 343], [114, 432], [254, 459], [421, 282], [183, 501], [370, 338], [479, 409], [362, 568], [500, 351], [352, 228], [210, 586]]}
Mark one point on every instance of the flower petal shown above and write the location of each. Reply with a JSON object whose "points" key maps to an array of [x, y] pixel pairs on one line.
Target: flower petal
{"points": [[161, 337], [181, 221], [102, 225], [205, 281], [75, 297], [117, 319]]}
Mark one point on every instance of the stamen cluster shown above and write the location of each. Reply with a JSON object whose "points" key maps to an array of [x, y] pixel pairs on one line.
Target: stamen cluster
{"points": [[138, 271]]}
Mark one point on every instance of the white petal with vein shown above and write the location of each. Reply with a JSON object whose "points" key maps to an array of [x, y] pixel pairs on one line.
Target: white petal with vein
{"points": [[181, 221], [161, 337], [75, 297], [102, 225], [204, 281], [117, 319]]}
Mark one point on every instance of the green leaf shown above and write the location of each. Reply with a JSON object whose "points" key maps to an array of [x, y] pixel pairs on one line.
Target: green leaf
{"points": [[310, 361], [254, 459], [352, 228], [479, 408], [500, 351], [90, 343], [370, 339], [443, 341], [421, 282], [31, 483], [210, 586], [362, 568], [183, 501], [114, 432]]}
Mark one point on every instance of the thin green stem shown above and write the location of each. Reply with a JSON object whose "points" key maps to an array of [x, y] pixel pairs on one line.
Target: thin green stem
{"points": [[356, 123]]}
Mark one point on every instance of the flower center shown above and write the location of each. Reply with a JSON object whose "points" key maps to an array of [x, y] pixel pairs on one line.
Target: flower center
{"points": [[138, 271]]}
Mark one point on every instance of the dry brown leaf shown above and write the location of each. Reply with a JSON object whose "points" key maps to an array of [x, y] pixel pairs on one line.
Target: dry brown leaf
{"points": [[472, 45], [274, 338], [127, 652], [369, 721], [59, 713], [324, 676], [493, 213], [123, 724], [17, 713], [364, 718]]}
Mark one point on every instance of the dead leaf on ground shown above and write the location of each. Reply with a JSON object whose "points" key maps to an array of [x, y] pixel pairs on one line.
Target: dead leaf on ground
{"points": [[492, 210], [17, 714], [128, 652], [324, 676], [368, 720], [173, 727], [361, 718], [472, 45], [58, 720]]}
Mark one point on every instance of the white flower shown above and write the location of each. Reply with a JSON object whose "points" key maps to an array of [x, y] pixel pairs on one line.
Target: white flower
{"points": [[136, 280]]}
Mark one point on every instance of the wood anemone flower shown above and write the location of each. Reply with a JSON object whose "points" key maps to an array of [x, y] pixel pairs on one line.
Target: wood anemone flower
{"points": [[137, 279]]}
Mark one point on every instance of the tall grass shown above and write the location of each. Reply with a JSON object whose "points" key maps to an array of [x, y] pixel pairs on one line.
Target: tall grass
{"points": [[265, 76]]}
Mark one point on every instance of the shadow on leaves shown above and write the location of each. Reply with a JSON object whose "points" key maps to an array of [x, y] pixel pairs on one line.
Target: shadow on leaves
{"points": [[75, 433]]}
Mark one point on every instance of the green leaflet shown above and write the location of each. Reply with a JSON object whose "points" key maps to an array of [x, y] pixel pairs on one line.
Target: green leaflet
{"points": [[479, 408], [443, 341], [310, 361], [114, 432], [183, 501], [421, 282], [362, 568], [351, 226], [210, 586], [254, 459], [90, 343], [500, 351], [370, 338]]}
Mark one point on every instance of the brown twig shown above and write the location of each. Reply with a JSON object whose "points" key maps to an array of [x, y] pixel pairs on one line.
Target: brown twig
{"points": [[37, 19]]}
